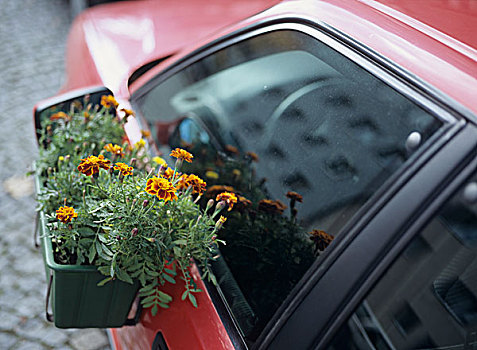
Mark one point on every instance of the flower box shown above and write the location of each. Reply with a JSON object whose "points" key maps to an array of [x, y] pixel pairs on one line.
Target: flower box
{"points": [[76, 299]]}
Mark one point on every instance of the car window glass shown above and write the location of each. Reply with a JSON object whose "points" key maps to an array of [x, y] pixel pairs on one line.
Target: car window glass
{"points": [[428, 297], [301, 134]]}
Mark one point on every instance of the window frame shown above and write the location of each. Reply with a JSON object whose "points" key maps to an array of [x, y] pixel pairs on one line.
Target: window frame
{"points": [[413, 88]]}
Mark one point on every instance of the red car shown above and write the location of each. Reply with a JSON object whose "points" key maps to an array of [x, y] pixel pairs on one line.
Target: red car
{"points": [[365, 110]]}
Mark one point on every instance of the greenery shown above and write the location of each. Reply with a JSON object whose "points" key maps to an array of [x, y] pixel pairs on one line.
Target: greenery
{"points": [[107, 205]]}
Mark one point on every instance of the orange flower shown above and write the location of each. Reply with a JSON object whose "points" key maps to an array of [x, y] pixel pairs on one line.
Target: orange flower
{"points": [[243, 203], [197, 184], [59, 116], [168, 172], [109, 101], [321, 239], [212, 191], [271, 206], [253, 156], [91, 165], [66, 214], [232, 149], [229, 198], [183, 183], [180, 153], [294, 196], [114, 149], [161, 188], [124, 169]]}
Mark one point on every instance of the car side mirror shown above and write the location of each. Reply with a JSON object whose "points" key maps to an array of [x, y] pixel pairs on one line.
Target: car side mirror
{"points": [[64, 102]]}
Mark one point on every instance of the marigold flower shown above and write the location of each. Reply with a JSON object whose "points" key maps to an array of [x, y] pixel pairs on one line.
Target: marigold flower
{"points": [[91, 165], [229, 198], [198, 185], [66, 214], [124, 169], [253, 156], [271, 206], [232, 149], [168, 172], [182, 154], [59, 116], [294, 196], [158, 160], [140, 144], [212, 191], [127, 112], [211, 174], [145, 133], [321, 239], [109, 101], [243, 203], [114, 149], [183, 183], [161, 188]]}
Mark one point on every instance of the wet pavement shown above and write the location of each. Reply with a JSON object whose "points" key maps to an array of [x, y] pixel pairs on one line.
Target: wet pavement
{"points": [[32, 36]]}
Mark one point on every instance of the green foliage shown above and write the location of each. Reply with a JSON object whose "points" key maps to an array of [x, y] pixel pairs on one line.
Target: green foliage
{"points": [[126, 232]]}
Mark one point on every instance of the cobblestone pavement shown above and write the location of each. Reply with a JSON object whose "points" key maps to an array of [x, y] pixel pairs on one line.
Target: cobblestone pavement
{"points": [[32, 37]]}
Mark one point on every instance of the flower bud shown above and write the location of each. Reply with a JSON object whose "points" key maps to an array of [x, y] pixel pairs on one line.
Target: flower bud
{"points": [[210, 204], [151, 239], [162, 169], [134, 232], [220, 222], [67, 158], [145, 203], [221, 205], [133, 161]]}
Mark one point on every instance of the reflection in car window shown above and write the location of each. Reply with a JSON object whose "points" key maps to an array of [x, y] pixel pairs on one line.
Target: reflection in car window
{"points": [[301, 134], [428, 297]]}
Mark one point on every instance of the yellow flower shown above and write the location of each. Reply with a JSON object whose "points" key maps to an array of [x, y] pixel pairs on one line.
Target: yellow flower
{"points": [[91, 165], [236, 172], [145, 133], [229, 198], [66, 214], [161, 188], [127, 112], [114, 149], [124, 169], [61, 158], [211, 174], [220, 222], [158, 160], [180, 153], [183, 183], [140, 144], [109, 101]]}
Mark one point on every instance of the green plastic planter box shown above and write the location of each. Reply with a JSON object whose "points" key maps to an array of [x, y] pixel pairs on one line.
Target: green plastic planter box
{"points": [[76, 300]]}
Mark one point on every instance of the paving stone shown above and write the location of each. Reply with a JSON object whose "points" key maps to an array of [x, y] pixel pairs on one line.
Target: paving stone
{"points": [[54, 337], [28, 345], [7, 340], [89, 339], [8, 321]]}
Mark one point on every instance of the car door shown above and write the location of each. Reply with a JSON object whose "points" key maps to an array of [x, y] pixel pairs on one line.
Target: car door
{"points": [[315, 140]]}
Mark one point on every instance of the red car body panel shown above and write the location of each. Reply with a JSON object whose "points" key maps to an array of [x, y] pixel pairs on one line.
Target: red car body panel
{"points": [[107, 43], [435, 43]]}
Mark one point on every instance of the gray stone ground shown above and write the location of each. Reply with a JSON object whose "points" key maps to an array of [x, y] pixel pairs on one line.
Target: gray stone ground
{"points": [[32, 43]]}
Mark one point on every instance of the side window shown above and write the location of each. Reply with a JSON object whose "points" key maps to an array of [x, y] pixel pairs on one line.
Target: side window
{"points": [[428, 297], [302, 135]]}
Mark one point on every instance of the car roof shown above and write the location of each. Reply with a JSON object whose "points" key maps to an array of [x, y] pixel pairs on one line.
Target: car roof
{"points": [[432, 40]]}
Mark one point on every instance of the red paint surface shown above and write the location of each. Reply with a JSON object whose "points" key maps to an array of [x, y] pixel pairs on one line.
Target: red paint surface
{"points": [[182, 325], [107, 43]]}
